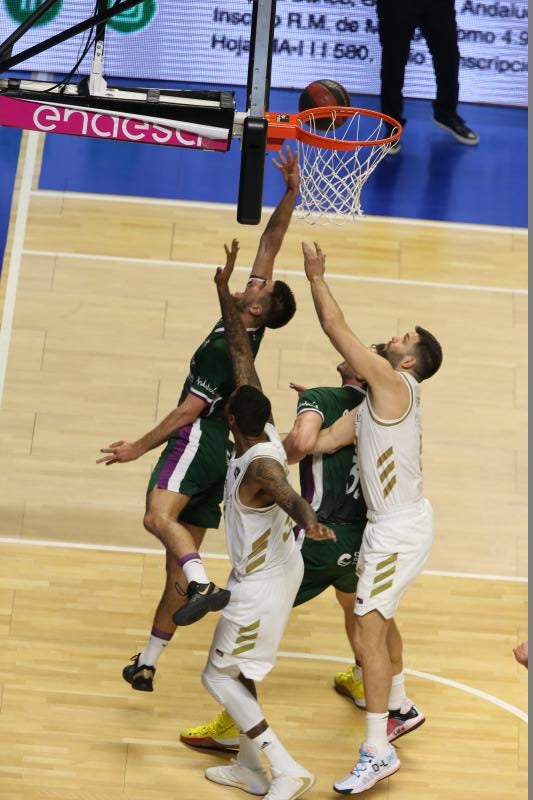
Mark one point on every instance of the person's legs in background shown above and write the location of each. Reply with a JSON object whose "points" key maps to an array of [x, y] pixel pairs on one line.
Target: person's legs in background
{"points": [[439, 27], [397, 22]]}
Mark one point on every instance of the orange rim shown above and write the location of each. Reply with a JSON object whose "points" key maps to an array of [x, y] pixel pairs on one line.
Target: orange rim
{"points": [[289, 126]]}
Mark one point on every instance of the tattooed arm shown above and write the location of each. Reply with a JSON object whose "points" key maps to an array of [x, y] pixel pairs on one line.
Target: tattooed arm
{"points": [[266, 483], [239, 344]]}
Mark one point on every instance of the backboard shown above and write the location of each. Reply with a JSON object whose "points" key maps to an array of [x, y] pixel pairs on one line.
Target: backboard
{"points": [[254, 133], [83, 103]]}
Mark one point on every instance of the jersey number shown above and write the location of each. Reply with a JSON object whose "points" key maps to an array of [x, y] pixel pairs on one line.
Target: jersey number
{"points": [[352, 487]]}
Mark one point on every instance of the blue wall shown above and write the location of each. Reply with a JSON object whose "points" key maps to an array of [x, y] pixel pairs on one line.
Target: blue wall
{"points": [[434, 177], [9, 151]]}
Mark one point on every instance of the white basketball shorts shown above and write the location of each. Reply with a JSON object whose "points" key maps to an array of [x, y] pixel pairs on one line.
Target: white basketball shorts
{"points": [[250, 627], [395, 548]]}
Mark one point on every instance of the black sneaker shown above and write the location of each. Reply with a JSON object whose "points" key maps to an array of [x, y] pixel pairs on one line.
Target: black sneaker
{"points": [[458, 128], [140, 676], [404, 721], [202, 597]]}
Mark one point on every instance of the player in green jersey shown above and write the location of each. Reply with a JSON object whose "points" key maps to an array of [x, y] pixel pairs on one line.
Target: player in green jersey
{"points": [[330, 484], [186, 487]]}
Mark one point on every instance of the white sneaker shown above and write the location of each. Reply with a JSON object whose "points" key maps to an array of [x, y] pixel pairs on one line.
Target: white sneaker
{"points": [[371, 768], [249, 780], [289, 787]]}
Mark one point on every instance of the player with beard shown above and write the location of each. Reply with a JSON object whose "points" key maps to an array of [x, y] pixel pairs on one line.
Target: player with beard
{"points": [[186, 487], [399, 533]]}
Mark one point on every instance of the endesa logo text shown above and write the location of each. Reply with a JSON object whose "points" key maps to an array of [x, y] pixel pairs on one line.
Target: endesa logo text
{"points": [[103, 126], [27, 114]]}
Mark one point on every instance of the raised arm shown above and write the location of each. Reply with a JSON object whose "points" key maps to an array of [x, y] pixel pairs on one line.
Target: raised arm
{"points": [[186, 413], [239, 344], [375, 370], [269, 476], [276, 228]]}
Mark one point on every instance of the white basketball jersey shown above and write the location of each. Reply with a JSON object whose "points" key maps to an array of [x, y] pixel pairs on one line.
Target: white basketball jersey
{"points": [[390, 454], [257, 539]]}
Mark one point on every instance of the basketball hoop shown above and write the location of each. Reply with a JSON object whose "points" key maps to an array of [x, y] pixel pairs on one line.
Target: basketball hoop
{"points": [[334, 163]]}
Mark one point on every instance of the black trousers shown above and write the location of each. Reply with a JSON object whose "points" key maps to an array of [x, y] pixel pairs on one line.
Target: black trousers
{"points": [[398, 20]]}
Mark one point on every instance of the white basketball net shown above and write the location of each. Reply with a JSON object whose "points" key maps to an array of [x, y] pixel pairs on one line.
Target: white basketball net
{"points": [[331, 181]]}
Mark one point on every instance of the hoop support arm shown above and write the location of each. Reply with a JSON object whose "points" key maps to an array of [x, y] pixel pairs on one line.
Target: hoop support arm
{"points": [[280, 127]]}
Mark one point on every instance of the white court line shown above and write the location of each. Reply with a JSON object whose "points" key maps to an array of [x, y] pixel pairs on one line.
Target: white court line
{"points": [[436, 573], [153, 551], [306, 656], [427, 676], [30, 157], [161, 201], [106, 548], [292, 272]]}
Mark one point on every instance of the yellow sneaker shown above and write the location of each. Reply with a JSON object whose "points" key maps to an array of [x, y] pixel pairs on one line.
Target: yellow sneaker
{"points": [[221, 734], [345, 683]]}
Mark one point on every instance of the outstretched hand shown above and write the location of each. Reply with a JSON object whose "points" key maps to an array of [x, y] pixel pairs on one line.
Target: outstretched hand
{"points": [[119, 452], [298, 387], [319, 532], [314, 261], [223, 275], [287, 163]]}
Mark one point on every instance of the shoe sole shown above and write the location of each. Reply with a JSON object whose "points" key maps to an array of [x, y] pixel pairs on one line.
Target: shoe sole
{"points": [[469, 142], [308, 783], [210, 744], [408, 730], [345, 693], [244, 786], [190, 613], [370, 785], [141, 684]]}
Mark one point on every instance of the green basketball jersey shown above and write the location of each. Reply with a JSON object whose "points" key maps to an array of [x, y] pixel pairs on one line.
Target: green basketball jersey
{"points": [[330, 483], [211, 371]]}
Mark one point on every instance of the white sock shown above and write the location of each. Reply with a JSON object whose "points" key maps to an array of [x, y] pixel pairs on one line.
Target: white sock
{"points": [[397, 692], [153, 649], [376, 730], [248, 753], [193, 569], [278, 758], [357, 672]]}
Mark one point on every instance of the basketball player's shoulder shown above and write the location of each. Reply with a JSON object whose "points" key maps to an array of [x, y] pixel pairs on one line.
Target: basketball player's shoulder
{"points": [[215, 335], [332, 397], [266, 468]]}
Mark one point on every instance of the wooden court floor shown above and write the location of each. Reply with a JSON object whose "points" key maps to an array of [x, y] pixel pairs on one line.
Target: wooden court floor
{"points": [[104, 300]]}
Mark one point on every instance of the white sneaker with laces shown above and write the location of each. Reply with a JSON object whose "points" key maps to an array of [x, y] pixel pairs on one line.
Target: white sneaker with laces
{"points": [[371, 768], [289, 787], [249, 780]]}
